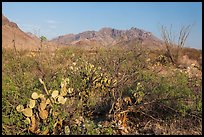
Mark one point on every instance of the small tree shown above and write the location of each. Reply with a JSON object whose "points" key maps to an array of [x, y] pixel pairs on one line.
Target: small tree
{"points": [[42, 39], [171, 45]]}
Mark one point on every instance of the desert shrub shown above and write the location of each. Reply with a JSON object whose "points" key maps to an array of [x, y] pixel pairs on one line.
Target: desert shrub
{"points": [[114, 85], [169, 93], [88, 80], [84, 80]]}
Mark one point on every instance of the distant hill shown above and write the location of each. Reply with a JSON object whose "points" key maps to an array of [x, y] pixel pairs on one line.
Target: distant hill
{"points": [[11, 32], [109, 37]]}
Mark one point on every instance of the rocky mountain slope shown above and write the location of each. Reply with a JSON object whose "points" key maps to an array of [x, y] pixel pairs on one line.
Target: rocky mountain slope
{"points": [[109, 36], [11, 34]]}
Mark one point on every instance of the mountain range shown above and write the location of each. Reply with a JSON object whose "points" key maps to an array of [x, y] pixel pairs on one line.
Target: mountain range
{"points": [[104, 37], [110, 37]]}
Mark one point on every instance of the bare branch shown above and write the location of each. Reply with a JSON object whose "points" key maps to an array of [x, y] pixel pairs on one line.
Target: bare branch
{"points": [[169, 40]]}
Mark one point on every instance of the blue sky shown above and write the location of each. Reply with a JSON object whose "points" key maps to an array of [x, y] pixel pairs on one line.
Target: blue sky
{"points": [[58, 18]]}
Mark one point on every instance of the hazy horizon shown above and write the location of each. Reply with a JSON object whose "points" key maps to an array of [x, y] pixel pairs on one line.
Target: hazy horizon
{"points": [[53, 19]]}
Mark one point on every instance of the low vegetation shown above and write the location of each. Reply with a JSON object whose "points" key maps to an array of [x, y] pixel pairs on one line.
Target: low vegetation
{"points": [[102, 91]]}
